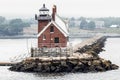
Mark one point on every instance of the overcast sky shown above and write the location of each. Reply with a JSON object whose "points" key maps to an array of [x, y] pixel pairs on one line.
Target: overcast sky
{"points": [[67, 8]]}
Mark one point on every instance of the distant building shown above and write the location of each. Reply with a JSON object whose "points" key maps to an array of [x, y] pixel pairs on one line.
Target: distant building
{"points": [[52, 30], [114, 26], [99, 24]]}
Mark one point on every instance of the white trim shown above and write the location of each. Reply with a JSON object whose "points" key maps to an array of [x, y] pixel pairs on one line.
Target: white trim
{"points": [[63, 25], [43, 29], [51, 32], [65, 34]]}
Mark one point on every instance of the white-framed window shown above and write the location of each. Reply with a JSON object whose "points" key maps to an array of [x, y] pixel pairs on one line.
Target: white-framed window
{"points": [[44, 37]]}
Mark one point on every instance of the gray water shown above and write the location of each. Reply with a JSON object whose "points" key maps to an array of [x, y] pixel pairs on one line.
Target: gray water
{"points": [[13, 47]]}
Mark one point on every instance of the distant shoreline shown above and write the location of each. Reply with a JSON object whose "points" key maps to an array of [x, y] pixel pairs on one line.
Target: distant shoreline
{"points": [[17, 37], [71, 36]]}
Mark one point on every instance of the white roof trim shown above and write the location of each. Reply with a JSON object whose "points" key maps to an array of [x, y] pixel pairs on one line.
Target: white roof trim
{"points": [[61, 23], [65, 34], [43, 29]]}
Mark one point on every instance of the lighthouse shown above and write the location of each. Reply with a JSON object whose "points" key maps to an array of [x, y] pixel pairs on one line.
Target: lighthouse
{"points": [[52, 29]]}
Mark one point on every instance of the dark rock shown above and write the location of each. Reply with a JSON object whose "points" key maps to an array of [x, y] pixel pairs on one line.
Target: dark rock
{"points": [[52, 68], [113, 67], [99, 68]]}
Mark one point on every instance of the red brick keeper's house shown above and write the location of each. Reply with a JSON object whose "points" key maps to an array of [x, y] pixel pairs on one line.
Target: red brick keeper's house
{"points": [[52, 30]]}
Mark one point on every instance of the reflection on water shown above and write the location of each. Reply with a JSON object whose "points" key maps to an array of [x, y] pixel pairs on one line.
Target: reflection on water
{"points": [[49, 74]]}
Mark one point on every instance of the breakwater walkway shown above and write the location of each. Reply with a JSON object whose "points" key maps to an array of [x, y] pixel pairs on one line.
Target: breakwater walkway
{"points": [[7, 63], [84, 58]]}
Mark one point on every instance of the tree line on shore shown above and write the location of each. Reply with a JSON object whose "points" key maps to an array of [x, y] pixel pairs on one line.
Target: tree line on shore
{"points": [[13, 26], [89, 23]]}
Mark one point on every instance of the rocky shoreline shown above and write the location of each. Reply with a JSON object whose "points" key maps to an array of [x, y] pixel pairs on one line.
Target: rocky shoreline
{"points": [[68, 65], [84, 59]]}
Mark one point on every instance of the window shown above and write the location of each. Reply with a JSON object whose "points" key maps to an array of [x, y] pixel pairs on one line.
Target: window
{"points": [[56, 40], [51, 29], [44, 37]]}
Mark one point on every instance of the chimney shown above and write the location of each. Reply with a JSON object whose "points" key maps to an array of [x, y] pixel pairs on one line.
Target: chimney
{"points": [[54, 12]]}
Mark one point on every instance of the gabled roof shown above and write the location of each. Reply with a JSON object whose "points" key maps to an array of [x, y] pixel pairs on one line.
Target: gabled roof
{"points": [[62, 24], [59, 23]]}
